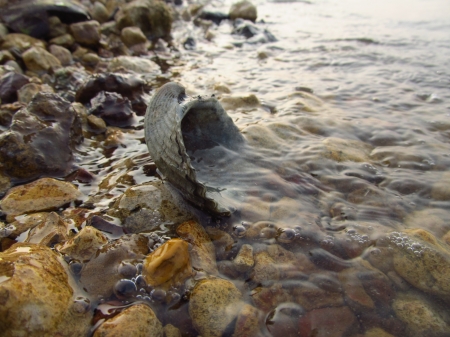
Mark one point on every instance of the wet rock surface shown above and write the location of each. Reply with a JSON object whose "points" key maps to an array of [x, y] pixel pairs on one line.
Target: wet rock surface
{"points": [[338, 221]]}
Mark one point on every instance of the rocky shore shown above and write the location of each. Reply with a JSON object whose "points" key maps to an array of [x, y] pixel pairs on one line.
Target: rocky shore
{"points": [[143, 263]]}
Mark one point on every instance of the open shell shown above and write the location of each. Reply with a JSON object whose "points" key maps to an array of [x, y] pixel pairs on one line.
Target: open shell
{"points": [[175, 132]]}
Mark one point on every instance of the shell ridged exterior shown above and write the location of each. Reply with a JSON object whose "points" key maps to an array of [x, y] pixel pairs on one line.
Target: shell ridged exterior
{"points": [[166, 145]]}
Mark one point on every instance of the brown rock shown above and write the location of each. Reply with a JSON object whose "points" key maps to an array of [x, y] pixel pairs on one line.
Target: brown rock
{"points": [[28, 91], [62, 54], [354, 291], [42, 194], [36, 298], [99, 12], [49, 232], [422, 317], [429, 268], [203, 256], [171, 331], [244, 259], [266, 299], [222, 241], [139, 320], [84, 245], [96, 124], [21, 41], [87, 32], [340, 150], [37, 59], [214, 303], [132, 35], [243, 10], [134, 64], [248, 322], [153, 17], [168, 266], [65, 40], [240, 101], [327, 322]]}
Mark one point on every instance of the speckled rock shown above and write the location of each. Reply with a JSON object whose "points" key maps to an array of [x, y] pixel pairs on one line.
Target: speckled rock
{"points": [[132, 35], [25, 222], [99, 12], [171, 331], [36, 297], [9, 84], [138, 320], [340, 150], [243, 10], [153, 17], [146, 206], [54, 125], [248, 322], [62, 54], [214, 303], [429, 268], [84, 245], [202, 253], [327, 322], [169, 265], [87, 32], [100, 274], [40, 195], [235, 102], [422, 317], [134, 64], [38, 60], [20, 41], [244, 259], [65, 40], [222, 241], [49, 232], [28, 91]]}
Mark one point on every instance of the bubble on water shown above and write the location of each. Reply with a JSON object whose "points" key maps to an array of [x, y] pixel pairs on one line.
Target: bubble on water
{"points": [[416, 246], [127, 269], [124, 288], [158, 295], [239, 231], [81, 305], [286, 235], [418, 253], [351, 231], [140, 281]]}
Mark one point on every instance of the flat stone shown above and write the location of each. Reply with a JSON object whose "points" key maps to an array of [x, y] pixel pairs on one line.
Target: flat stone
{"points": [[21, 41], [327, 322], [49, 232], [134, 64], [65, 40], [138, 320], [40, 195], [171, 331], [28, 91], [340, 150], [214, 304], [243, 101]]}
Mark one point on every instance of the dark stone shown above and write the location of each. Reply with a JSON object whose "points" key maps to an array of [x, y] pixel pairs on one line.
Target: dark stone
{"points": [[105, 226], [31, 17], [68, 80], [129, 86], [252, 33], [112, 108], [189, 43], [216, 17], [9, 84], [41, 138]]}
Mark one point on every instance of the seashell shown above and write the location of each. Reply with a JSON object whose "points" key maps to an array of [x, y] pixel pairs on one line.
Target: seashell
{"points": [[188, 142]]}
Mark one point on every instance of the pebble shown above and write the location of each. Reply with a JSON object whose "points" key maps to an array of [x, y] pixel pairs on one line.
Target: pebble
{"points": [[168, 266], [35, 294], [327, 322], [138, 320], [243, 10], [28, 91], [341, 150], [40, 195], [202, 253], [62, 54], [86, 32], [134, 64], [84, 245], [213, 305], [132, 35], [244, 259], [38, 59]]}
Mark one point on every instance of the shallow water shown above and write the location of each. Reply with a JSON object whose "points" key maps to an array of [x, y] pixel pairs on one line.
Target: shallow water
{"points": [[364, 155]]}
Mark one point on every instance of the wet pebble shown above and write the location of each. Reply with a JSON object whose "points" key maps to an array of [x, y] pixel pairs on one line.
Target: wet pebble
{"points": [[112, 108], [243, 10], [10, 83], [87, 32]]}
